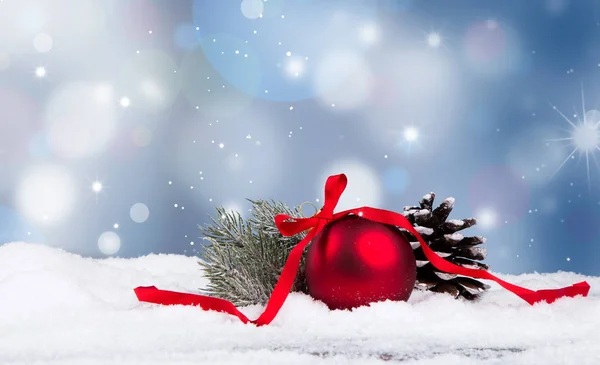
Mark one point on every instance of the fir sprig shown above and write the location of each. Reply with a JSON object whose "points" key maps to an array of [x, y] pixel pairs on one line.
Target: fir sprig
{"points": [[244, 259]]}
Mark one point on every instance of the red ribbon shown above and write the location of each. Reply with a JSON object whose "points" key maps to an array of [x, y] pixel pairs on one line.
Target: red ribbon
{"points": [[289, 226]]}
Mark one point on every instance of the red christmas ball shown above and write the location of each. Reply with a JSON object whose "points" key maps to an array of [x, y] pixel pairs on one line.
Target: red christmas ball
{"points": [[354, 261]]}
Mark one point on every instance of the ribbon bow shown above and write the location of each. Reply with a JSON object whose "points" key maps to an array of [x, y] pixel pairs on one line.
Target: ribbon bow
{"points": [[289, 226]]}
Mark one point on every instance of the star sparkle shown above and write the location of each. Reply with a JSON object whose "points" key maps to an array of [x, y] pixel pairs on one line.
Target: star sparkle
{"points": [[584, 137]]}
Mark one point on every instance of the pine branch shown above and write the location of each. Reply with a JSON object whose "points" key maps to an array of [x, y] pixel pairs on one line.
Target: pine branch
{"points": [[244, 259]]}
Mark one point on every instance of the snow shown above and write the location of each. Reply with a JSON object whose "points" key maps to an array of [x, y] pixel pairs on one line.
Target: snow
{"points": [[424, 230], [58, 308]]}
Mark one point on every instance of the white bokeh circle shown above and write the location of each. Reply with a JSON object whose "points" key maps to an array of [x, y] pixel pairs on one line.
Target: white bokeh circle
{"points": [[139, 213], [252, 9], [109, 243], [80, 119], [46, 194]]}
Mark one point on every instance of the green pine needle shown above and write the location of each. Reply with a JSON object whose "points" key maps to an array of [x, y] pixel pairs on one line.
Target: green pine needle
{"points": [[244, 259]]}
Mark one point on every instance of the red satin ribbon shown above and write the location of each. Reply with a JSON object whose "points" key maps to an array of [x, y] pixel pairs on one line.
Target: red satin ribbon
{"points": [[289, 226]]}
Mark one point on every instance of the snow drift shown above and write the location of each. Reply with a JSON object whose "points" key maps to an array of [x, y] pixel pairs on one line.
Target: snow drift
{"points": [[60, 308]]}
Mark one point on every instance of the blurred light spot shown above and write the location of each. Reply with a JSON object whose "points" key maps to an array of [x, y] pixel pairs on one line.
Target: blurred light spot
{"points": [[232, 207], [295, 67], [40, 72], [434, 40], [103, 94], [4, 61], [142, 136], [46, 194], [139, 213], [252, 9], [364, 186], [80, 119], [42, 43], [396, 180], [370, 33], [332, 30], [500, 188], [97, 186], [109, 243], [411, 134], [149, 79], [343, 79], [125, 102], [487, 218]]}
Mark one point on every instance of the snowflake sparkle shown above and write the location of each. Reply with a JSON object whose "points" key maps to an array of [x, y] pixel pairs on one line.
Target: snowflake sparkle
{"points": [[584, 137]]}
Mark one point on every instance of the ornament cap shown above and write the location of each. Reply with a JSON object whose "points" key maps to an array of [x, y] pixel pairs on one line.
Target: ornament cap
{"points": [[317, 210]]}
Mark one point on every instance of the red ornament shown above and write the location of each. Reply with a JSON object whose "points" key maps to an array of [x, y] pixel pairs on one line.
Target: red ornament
{"points": [[354, 261]]}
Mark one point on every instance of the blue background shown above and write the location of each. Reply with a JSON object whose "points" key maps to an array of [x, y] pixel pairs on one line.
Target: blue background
{"points": [[476, 79]]}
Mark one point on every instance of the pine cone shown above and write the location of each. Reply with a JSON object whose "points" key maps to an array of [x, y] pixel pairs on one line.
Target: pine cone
{"points": [[442, 237]]}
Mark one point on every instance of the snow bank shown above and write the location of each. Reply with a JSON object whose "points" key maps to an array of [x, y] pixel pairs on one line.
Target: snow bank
{"points": [[60, 308]]}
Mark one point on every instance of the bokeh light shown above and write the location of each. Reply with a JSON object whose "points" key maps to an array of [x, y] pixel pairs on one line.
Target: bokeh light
{"points": [[80, 119], [109, 243], [434, 40], [97, 186], [499, 189], [139, 212], [252, 9], [364, 186], [151, 79], [46, 194], [40, 72], [42, 43], [487, 218], [336, 24], [370, 33]]}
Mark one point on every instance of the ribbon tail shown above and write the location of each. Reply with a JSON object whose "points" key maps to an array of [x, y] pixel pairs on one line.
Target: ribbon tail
{"points": [[286, 280], [151, 294], [528, 295]]}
